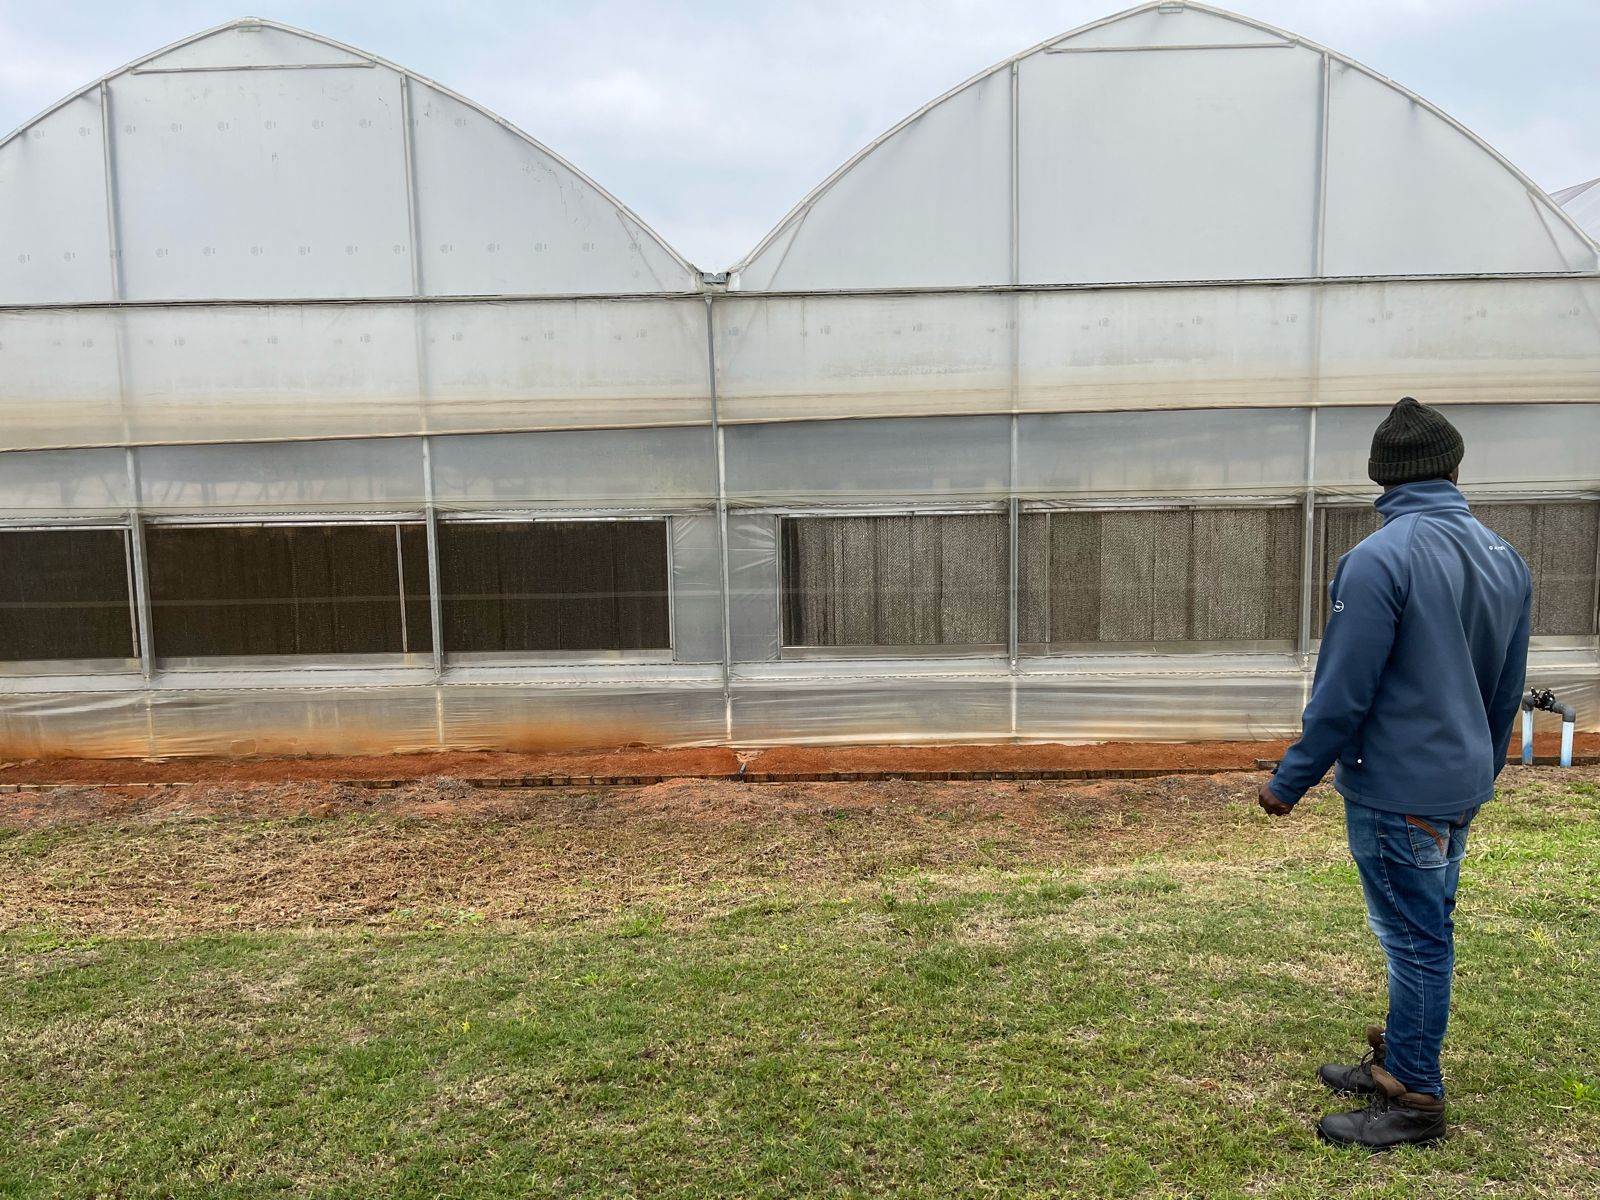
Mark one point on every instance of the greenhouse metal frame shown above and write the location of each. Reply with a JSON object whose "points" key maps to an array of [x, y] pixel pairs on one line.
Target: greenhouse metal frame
{"points": [[989, 439]]}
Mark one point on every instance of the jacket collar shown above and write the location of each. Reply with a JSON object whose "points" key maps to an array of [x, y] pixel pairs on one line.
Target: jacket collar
{"points": [[1431, 495]]}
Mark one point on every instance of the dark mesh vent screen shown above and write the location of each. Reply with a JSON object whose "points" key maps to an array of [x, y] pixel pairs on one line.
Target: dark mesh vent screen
{"points": [[555, 586], [64, 595], [287, 590]]}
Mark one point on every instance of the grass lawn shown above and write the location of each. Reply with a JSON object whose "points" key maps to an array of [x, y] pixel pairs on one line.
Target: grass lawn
{"points": [[896, 989]]}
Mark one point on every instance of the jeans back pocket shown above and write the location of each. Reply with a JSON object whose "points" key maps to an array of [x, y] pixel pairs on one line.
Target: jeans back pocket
{"points": [[1430, 841]]}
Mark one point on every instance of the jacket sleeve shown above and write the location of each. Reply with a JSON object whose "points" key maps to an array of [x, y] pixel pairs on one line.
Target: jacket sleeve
{"points": [[1368, 596], [1507, 698]]}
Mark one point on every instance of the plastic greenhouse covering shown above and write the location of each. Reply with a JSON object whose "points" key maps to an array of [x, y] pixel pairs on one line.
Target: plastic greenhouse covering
{"points": [[1582, 203], [339, 415]]}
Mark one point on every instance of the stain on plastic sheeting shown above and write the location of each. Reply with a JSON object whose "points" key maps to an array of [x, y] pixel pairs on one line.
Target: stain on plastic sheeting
{"points": [[29, 739], [580, 734], [275, 724], [931, 390]]}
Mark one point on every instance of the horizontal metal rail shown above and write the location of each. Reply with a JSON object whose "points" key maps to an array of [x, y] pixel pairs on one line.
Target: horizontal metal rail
{"points": [[999, 289]]}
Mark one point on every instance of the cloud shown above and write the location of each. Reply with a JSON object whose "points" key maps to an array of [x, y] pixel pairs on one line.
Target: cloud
{"points": [[37, 71]]}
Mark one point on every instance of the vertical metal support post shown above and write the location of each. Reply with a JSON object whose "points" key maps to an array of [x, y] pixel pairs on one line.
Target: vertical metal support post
{"points": [[400, 572], [720, 484], [1309, 583], [1319, 231], [134, 639], [1016, 176], [431, 517], [1527, 736], [419, 335], [138, 563], [1013, 580], [1595, 626], [113, 216], [435, 597], [141, 573], [1014, 586], [409, 147], [413, 224], [1308, 544]]}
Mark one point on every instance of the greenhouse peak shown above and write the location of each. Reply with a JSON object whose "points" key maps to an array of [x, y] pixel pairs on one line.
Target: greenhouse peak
{"points": [[309, 170], [1174, 142]]}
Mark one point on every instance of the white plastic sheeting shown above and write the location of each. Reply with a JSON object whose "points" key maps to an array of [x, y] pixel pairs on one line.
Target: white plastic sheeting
{"points": [[75, 377], [1233, 346], [597, 469], [1582, 203], [948, 458], [1225, 698], [238, 717], [286, 477], [1171, 142], [1184, 452], [319, 171], [82, 377], [1547, 449]]}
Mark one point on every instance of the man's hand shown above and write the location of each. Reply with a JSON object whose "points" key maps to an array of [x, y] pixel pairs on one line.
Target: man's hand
{"points": [[1270, 802]]}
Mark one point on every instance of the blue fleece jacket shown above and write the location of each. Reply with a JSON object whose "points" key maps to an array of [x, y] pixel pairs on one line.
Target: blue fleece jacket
{"points": [[1422, 665]]}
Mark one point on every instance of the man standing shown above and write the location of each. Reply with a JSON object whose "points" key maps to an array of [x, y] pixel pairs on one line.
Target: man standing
{"points": [[1418, 681]]}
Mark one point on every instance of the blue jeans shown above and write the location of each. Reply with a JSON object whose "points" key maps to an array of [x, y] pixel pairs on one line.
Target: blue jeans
{"points": [[1409, 870]]}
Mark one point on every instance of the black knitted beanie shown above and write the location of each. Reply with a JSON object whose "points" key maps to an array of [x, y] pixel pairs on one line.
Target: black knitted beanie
{"points": [[1414, 442]]}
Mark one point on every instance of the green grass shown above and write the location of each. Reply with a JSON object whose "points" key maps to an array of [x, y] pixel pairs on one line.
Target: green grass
{"points": [[985, 1021]]}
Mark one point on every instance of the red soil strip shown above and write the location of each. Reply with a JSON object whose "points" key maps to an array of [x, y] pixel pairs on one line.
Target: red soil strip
{"points": [[688, 763], [1217, 756], [693, 763], [811, 760]]}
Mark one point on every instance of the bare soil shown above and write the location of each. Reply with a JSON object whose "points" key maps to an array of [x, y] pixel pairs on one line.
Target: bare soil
{"points": [[461, 764], [689, 763], [690, 802], [439, 852], [807, 760], [436, 852]]}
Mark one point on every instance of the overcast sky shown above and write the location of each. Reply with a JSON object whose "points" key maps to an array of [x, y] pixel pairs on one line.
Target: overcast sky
{"points": [[710, 118]]}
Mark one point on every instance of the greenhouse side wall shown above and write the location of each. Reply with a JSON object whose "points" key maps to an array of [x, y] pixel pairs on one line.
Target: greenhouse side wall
{"points": [[1013, 539]]}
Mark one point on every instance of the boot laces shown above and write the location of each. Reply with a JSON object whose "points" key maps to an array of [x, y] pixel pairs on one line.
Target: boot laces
{"points": [[1378, 1104]]}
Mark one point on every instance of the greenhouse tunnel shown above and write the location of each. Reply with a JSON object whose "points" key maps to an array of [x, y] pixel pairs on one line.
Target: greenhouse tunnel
{"points": [[339, 415]]}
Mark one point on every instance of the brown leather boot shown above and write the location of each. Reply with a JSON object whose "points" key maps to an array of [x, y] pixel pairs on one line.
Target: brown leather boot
{"points": [[1393, 1117], [1356, 1080]]}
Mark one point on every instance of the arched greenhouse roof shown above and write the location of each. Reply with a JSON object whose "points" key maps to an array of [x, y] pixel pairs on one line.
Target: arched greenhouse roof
{"points": [[1171, 142], [1582, 203], [257, 161]]}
